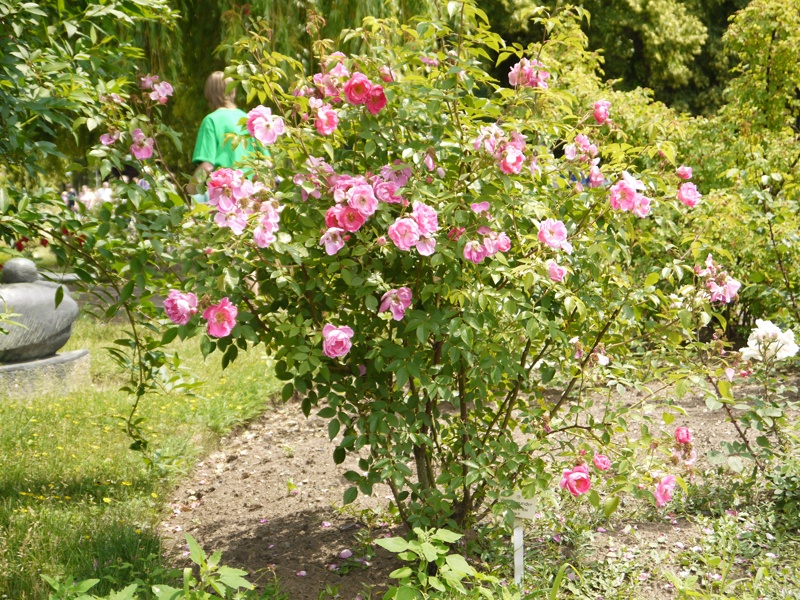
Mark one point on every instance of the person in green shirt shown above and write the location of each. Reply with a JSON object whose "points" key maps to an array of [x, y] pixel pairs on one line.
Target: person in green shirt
{"points": [[212, 150]]}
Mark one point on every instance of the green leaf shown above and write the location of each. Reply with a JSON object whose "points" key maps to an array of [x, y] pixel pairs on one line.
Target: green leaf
{"points": [[287, 391], [401, 573], [196, 553], [233, 578], [594, 498], [59, 295], [446, 536], [207, 346], [393, 544], [350, 495], [459, 564], [652, 279], [610, 506], [725, 389], [407, 593]]}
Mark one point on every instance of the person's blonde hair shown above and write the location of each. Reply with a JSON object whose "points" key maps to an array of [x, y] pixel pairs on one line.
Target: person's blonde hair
{"points": [[215, 91]]}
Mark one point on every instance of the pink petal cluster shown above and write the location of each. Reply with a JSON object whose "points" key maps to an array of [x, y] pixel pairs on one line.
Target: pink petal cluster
{"points": [[601, 111], [683, 435], [508, 151], [330, 82], [576, 480], [417, 230], [555, 271], [237, 199], [180, 307], [147, 82], [430, 61], [336, 340], [528, 74], [602, 462], [493, 242], [109, 138], [588, 149], [554, 234], [221, 318], [327, 120], [360, 90], [625, 195], [596, 178], [397, 301], [161, 91], [689, 195], [721, 286], [142, 147], [263, 125], [684, 172], [664, 490]]}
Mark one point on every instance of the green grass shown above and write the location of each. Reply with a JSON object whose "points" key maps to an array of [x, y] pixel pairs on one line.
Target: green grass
{"points": [[74, 500]]}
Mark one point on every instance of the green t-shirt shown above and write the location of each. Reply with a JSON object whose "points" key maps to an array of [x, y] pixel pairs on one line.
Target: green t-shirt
{"points": [[211, 145]]}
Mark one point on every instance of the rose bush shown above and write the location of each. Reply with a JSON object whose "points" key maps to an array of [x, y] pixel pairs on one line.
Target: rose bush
{"points": [[414, 290]]}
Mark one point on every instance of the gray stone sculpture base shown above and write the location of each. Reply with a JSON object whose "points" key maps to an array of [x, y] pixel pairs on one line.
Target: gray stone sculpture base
{"points": [[54, 376]]}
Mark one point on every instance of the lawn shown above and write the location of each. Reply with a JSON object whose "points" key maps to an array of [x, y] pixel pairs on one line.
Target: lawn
{"points": [[74, 500]]}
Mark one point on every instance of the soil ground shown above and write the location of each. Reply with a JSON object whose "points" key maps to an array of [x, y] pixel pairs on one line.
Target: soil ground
{"points": [[268, 499]]}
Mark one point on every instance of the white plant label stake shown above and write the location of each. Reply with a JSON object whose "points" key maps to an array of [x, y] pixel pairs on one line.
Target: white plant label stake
{"points": [[527, 510]]}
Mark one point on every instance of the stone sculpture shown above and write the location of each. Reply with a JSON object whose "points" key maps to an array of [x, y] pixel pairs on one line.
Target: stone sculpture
{"points": [[45, 328]]}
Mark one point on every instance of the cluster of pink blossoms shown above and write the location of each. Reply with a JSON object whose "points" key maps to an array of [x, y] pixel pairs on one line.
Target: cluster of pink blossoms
{"points": [[492, 242], [625, 195], [220, 318], [664, 490], [357, 198], [509, 152], [684, 451], [588, 149], [238, 199], [161, 90], [721, 286], [528, 73], [335, 83], [577, 481]]}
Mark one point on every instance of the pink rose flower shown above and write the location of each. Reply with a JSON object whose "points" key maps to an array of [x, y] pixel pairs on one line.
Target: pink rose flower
{"points": [[623, 194], [479, 207], [689, 195], [109, 138], [510, 159], [556, 272], [431, 62], [350, 219], [426, 245], [142, 147], [376, 99], [336, 340], [221, 318], [263, 125], [386, 73], [602, 462], [554, 234], [723, 293], [334, 215], [332, 240], [362, 198], [576, 480], [426, 217], [180, 307], [428, 161], [147, 82], [641, 206], [570, 152], [396, 301], [327, 120], [601, 111], [683, 435], [161, 91], [475, 251], [664, 490], [596, 178], [528, 74], [357, 89], [404, 233], [684, 172]]}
